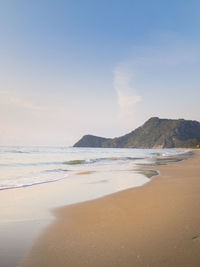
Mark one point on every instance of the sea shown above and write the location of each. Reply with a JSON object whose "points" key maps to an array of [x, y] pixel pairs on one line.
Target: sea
{"points": [[22, 166], [34, 181]]}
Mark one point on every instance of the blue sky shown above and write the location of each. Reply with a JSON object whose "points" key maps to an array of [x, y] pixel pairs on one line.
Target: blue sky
{"points": [[70, 68]]}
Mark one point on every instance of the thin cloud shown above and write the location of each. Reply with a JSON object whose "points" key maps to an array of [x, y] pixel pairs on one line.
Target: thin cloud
{"points": [[18, 101], [126, 93]]}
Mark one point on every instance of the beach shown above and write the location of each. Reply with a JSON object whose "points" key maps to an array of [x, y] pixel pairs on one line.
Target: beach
{"points": [[100, 134], [157, 224]]}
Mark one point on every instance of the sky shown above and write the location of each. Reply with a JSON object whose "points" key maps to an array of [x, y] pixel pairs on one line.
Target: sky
{"points": [[75, 67]]}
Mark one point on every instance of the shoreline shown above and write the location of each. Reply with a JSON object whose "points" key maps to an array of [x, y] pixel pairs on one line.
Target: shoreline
{"points": [[155, 225], [26, 211], [183, 155]]}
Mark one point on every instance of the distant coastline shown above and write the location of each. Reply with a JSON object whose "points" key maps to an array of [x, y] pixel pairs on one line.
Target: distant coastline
{"points": [[154, 133]]}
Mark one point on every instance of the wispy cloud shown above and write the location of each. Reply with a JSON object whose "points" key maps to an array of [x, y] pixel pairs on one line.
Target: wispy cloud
{"points": [[153, 70], [126, 92]]}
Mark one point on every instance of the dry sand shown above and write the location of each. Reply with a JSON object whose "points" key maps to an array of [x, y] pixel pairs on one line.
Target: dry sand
{"points": [[154, 225]]}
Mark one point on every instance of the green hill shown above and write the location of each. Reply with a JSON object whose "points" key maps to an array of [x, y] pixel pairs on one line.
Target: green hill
{"points": [[155, 133], [91, 141]]}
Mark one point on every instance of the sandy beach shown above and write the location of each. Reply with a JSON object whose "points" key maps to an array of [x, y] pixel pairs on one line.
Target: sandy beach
{"points": [[154, 225], [100, 133]]}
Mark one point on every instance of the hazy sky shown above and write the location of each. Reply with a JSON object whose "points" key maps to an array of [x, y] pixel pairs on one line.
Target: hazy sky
{"points": [[103, 67]]}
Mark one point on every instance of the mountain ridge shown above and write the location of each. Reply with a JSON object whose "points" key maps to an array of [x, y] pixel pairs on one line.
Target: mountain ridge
{"points": [[154, 133]]}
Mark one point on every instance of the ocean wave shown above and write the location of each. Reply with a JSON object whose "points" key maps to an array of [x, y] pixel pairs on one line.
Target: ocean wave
{"points": [[20, 185], [17, 164], [75, 162], [95, 160], [55, 170], [15, 151], [156, 154]]}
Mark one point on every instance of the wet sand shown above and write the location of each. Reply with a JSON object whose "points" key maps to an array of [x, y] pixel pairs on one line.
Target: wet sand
{"points": [[154, 225]]}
